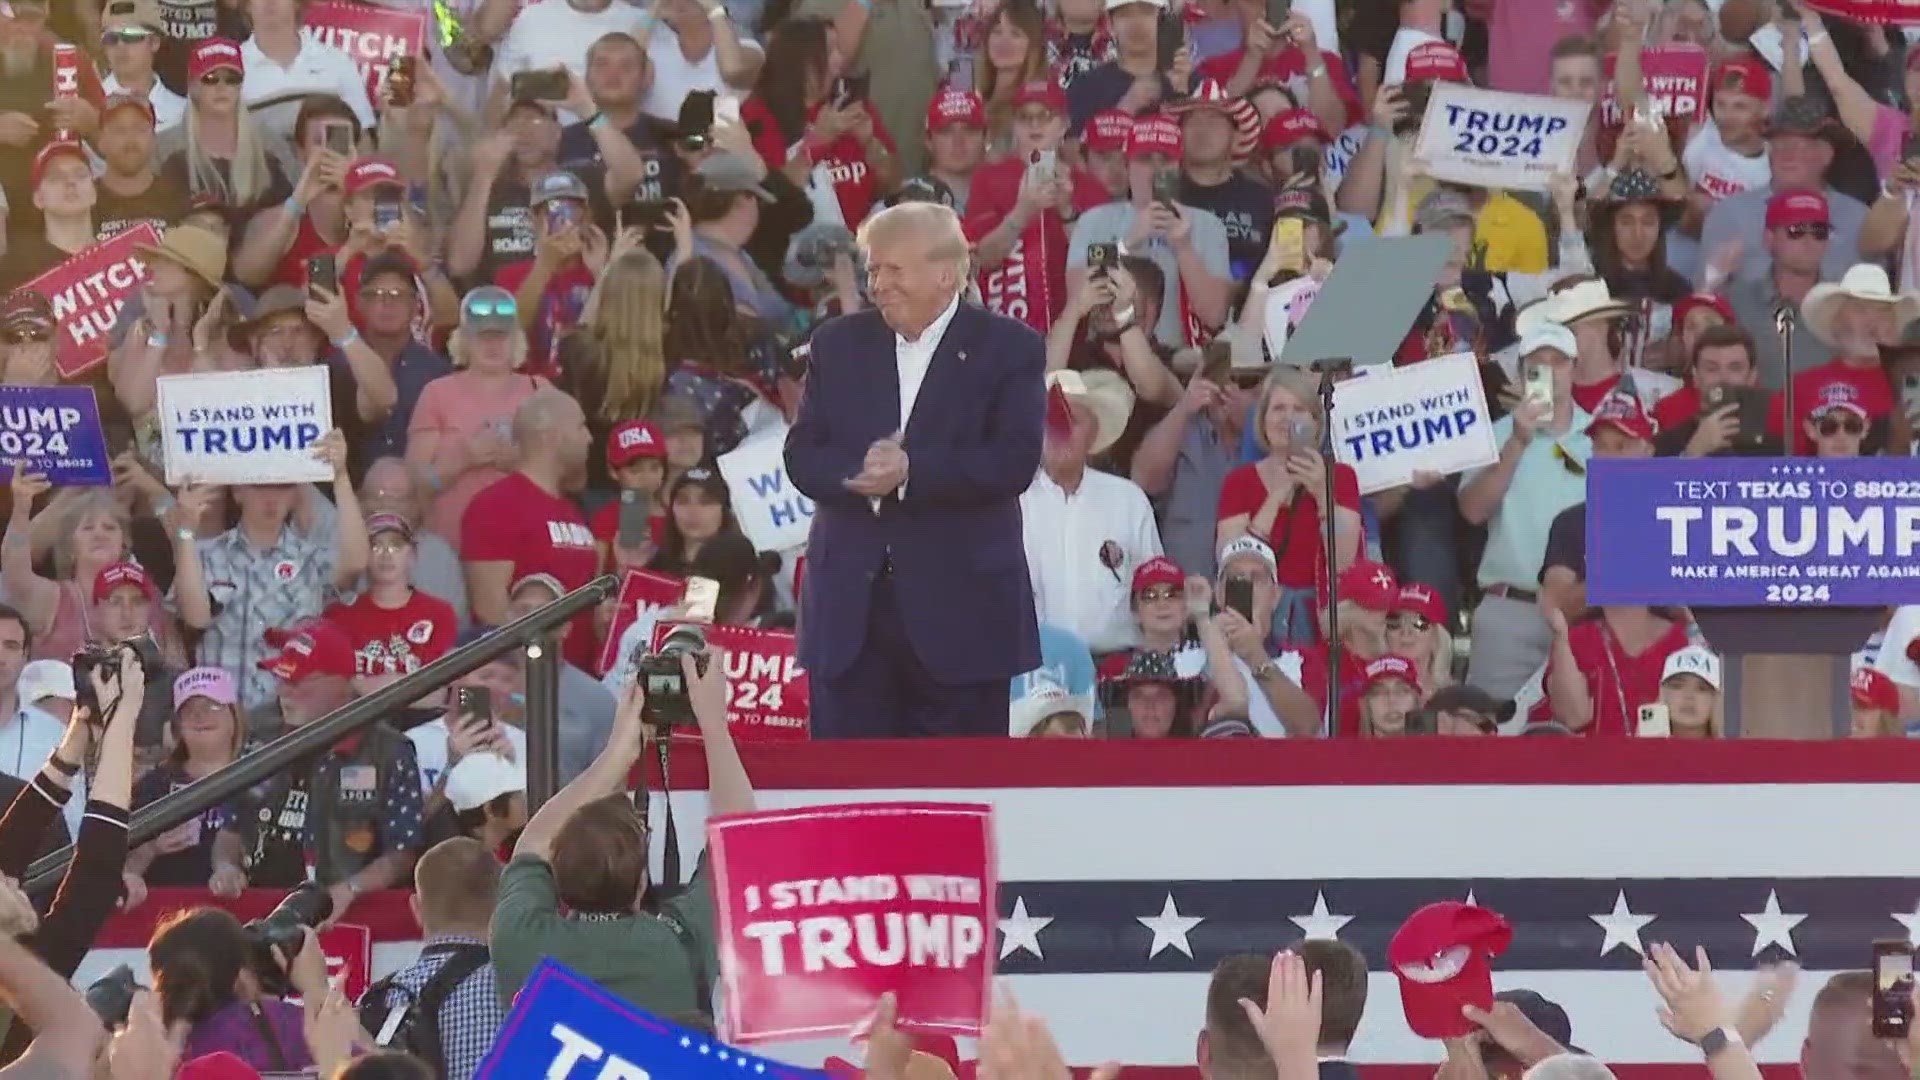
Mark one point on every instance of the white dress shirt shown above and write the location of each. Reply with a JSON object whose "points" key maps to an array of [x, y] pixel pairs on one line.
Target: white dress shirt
{"points": [[675, 76], [26, 741], [1064, 534], [169, 108], [912, 359], [318, 68]]}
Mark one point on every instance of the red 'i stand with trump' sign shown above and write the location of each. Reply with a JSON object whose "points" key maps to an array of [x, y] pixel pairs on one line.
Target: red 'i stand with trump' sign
{"points": [[822, 910]]}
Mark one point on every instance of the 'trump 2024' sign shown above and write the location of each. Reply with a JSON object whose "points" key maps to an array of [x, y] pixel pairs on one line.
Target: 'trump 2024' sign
{"points": [[1487, 138], [1731, 532]]}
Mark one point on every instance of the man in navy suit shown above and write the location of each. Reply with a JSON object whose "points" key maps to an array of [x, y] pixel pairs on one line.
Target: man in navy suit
{"points": [[920, 427]]}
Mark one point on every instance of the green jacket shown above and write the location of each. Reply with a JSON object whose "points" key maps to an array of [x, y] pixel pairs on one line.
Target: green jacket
{"points": [[637, 957]]}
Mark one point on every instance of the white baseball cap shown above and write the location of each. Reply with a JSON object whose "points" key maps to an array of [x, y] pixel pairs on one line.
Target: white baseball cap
{"points": [[1548, 335], [1693, 660], [1249, 544], [478, 779], [45, 679], [1044, 698]]}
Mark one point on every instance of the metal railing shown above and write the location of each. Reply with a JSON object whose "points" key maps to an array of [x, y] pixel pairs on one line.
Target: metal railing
{"points": [[531, 633]]}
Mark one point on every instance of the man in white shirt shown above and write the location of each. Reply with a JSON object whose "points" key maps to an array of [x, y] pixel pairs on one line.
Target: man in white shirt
{"points": [[439, 743], [44, 695], [284, 61], [550, 34], [131, 32], [696, 47], [1085, 530]]}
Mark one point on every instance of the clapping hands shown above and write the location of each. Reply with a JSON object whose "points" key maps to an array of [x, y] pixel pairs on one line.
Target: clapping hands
{"points": [[884, 469]]}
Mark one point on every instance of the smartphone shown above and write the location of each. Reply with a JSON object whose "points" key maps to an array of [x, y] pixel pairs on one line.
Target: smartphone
{"points": [[339, 138], [562, 214], [645, 214], [1278, 11], [400, 80], [1892, 989], [1750, 404], [696, 113], [1103, 258], [636, 525], [1539, 392], [1166, 186], [1199, 599], [1654, 723], [1216, 362], [702, 597], [1171, 36], [1289, 244], [322, 275], [1301, 432], [387, 214], [1236, 594], [474, 701], [1041, 164], [848, 89], [548, 85]]}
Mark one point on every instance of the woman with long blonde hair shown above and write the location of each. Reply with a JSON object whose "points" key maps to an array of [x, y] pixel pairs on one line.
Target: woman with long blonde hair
{"points": [[1013, 55], [94, 531], [222, 152], [616, 362]]}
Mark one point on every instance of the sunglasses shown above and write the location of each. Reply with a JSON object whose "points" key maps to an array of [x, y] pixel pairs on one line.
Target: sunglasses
{"points": [[1158, 592], [1801, 232], [126, 35], [221, 78], [1407, 621], [25, 336], [483, 309], [1831, 425]]}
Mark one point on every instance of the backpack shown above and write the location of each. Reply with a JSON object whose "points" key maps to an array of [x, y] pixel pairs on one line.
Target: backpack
{"points": [[413, 1025]]}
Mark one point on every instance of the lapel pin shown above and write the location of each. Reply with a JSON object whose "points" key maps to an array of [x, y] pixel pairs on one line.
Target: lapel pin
{"points": [[963, 354]]}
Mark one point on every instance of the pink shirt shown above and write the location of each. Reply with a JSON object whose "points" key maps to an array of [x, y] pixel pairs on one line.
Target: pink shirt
{"points": [[458, 407], [1521, 39]]}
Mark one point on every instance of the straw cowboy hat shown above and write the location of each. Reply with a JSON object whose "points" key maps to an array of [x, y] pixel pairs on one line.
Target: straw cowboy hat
{"points": [[202, 251], [1862, 282], [1587, 300], [1106, 393]]}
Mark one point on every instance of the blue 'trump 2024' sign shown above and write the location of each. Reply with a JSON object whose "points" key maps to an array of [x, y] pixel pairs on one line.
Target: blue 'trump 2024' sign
{"points": [[565, 1027], [1730, 532]]}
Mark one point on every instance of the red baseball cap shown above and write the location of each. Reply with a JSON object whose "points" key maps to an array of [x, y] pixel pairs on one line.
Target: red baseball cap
{"points": [[1370, 585], [952, 106], [1441, 956], [1623, 411], [1107, 131], [212, 55], [1744, 75], [1041, 92], [1438, 61], [1158, 570], [138, 104], [1154, 135], [1797, 208], [1693, 302], [1390, 668], [369, 172], [1423, 601], [632, 440], [1837, 397], [123, 573], [217, 1066], [1290, 126], [1873, 690], [58, 148], [318, 648]]}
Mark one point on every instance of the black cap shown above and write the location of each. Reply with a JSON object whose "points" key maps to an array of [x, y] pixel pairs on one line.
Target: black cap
{"points": [[923, 189], [729, 558], [1546, 1015], [1463, 698]]}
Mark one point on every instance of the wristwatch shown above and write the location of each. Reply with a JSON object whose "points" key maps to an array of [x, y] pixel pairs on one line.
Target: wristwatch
{"points": [[184, 535], [1717, 1040], [1267, 669]]}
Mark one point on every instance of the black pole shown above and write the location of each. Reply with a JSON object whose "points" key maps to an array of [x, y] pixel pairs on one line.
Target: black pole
{"points": [[1325, 495], [222, 784], [543, 721], [1783, 324]]}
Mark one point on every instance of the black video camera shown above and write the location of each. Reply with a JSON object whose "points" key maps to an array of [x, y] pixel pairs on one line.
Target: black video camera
{"points": [[285, 928], [111, 996], [106, 660], [663, 680]]}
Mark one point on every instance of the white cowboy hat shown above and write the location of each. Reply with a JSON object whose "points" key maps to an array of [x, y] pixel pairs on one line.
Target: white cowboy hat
{"points": [[1862, 282], [1104, 392], [1044, 698], [1587, 300]]}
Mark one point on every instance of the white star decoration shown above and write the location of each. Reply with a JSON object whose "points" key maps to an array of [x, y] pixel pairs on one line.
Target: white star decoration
{"points": [[1169, 928], [1911, 921], [1022, 931], [1771, 927], [1382, 578], [1320, 923], [1622, 926]]}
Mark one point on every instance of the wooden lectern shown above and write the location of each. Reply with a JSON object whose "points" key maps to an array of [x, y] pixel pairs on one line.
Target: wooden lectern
{"points": [[1773, 687]]}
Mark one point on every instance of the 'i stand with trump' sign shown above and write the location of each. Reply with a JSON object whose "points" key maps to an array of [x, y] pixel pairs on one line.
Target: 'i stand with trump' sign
{"points": [[1428, 417], [1487, 138], [821, 911], [246, 427]]}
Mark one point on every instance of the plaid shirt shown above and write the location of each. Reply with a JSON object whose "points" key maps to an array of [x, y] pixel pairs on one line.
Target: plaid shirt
{"points": [[254, 591], [469, 1017]]}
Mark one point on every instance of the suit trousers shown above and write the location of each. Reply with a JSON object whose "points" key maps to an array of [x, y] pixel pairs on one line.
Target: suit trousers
{"points": [[888, 694]]}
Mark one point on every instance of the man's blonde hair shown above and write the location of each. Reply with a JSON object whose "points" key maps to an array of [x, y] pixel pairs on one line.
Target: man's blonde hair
{"points": [[937, 226]]}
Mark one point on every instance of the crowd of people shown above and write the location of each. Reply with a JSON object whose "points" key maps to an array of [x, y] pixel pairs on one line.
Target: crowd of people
{"points": [[578, 253]]}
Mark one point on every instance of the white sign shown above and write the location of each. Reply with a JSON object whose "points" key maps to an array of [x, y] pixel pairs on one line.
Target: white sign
{"points": [[1491, 139], [770, 510], [1430, 416], [246, 427]]}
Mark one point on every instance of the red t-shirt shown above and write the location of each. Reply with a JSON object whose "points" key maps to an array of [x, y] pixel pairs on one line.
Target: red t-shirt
{"points": [[1289, 67], [1296, 528], [396, 641], [1619, 683], [1590, 396], [991, 196], [1677, 408], [1353, 684], [560, 307], [855, 183], [515, 521]]}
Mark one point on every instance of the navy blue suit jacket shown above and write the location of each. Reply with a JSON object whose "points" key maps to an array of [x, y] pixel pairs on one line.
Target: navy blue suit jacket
{"points": [[973, 445]]}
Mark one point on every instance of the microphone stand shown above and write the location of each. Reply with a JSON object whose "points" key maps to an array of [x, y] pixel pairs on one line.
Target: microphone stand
{"points": [[1783, 325], [1326, 369]]}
